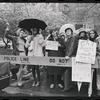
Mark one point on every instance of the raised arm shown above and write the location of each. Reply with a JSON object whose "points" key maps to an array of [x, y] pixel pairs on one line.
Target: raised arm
{"points": [[7, 35]]}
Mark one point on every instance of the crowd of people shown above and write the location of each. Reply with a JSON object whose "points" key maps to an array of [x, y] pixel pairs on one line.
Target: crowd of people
{"points": [[33, 42]]}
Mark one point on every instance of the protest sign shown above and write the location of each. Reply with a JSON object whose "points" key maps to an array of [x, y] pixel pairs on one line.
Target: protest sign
{"points": [[51, 45], [86, 51], [81, 72]]}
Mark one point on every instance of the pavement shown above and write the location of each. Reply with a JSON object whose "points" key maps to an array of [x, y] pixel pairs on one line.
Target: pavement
{"points": [[27, 90]]}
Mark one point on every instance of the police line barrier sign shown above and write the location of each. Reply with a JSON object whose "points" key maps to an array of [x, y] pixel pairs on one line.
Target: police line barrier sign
{"points": [[46, 61]]}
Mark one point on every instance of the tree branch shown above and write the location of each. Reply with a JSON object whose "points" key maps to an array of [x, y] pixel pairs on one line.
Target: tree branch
{"points": [[27, 10], [89, 9]]}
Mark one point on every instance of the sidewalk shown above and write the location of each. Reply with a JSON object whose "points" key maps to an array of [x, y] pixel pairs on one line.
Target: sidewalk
{"points": [[43, 90]]}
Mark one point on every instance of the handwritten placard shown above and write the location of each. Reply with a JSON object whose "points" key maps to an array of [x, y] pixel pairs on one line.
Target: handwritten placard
{"points": [[86, 51], [52, 45], [81, 72]]}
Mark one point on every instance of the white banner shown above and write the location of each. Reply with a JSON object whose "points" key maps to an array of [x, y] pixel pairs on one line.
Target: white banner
{"points": [[86, 51], [81, 72], [52, 45]]}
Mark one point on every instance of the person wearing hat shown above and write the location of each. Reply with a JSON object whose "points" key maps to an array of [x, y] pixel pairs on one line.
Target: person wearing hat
{"points": [[82, 35], [92, 35], [70, 44]]}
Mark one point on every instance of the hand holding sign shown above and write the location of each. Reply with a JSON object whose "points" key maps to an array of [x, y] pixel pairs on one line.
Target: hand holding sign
{"points": [[59, 45]]}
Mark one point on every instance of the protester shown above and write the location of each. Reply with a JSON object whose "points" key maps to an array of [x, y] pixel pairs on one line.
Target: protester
{"points": [[14, 67], [52, 71], [98, 70], [82, 35], [20, 48], [92, 37], [29, 52], [71, 43], [62, 35], [38, 41]]}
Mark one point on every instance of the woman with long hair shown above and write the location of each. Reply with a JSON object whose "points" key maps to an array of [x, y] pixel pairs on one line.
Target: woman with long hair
{"points": [[93, 37], [20, 48], [38, 41]]}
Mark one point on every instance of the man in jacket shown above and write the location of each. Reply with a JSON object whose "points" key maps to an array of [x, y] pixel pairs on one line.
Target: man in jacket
{"points": [[70, 51]]}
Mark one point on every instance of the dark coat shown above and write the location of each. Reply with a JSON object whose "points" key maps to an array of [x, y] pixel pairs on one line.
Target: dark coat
{"points": [[59, 53], [71, 49], [71, 46]]}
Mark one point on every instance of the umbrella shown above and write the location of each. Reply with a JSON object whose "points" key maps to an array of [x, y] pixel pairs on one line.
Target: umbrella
{"points": [[32, 23], [64, 27]]}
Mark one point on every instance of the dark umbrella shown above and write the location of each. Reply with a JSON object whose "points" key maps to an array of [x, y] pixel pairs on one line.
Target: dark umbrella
{"points": [[32, 23]]}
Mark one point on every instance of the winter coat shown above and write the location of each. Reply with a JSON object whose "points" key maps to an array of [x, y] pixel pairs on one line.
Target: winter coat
{"points": [[71, 46], [38, 45]]}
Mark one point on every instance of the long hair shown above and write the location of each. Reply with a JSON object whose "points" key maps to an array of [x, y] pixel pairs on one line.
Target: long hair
{"points": [[95, 36], [85, 37], [51, 36]]}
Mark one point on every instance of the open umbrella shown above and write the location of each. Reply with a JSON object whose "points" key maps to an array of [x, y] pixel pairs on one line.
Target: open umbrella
{"points": [[65, 26], [32, 23]]}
